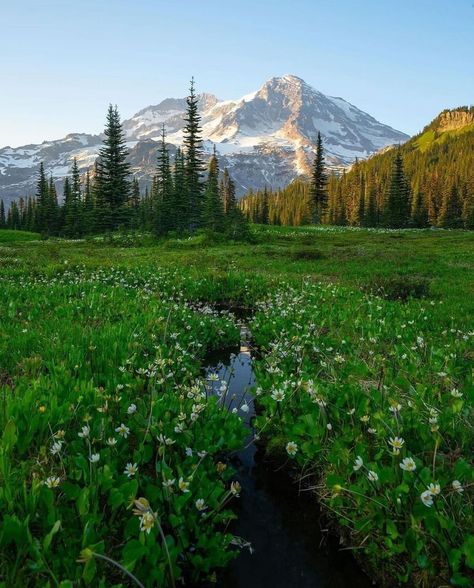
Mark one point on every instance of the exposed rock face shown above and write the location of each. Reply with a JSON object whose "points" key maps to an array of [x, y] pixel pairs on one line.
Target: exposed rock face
{"points": [[453, 120], [264, 138]]}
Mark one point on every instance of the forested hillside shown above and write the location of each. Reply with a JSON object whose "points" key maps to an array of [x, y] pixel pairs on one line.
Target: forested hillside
{"points": [[429, 180]]}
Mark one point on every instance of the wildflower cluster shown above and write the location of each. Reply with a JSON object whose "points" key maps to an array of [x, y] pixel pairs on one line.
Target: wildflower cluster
{"points": [[374, 395]]}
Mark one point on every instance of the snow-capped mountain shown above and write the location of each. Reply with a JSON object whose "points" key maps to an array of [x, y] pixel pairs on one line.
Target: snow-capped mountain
{"points": [[265, 138]]}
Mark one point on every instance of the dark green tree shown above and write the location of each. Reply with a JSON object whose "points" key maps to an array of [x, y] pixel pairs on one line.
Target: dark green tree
{"points": [[73, 222], [166, 218], [113, 172], [180, 197], [43, 203], [318, 183], [3, 218], [265, 212], [397, 205], [213, 210], [451, 210], [194, 165], [227, 190], [419, 212]]}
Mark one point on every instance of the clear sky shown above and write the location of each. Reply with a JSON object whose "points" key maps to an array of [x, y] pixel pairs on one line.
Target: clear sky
{"points": [[63, 61]]}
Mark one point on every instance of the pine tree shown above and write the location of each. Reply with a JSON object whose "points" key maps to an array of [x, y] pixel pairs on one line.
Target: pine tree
{"points": [[88, 206], [451, 211], [419, 212], [397, 204], [113, 170], [42, 199], [53, 208], [361, 205], [213, 210], [165, 221], [30, 222], [13, 218], [318, 183], [265, 212], [3, 219], [227, 190], [73, 204], [67, 197], [102, 210], [180, 199], [194, 165], [372, 216]]}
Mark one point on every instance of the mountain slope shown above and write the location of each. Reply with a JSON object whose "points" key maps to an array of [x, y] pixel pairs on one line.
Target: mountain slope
{"points": [[436, 161], [266, 137]]}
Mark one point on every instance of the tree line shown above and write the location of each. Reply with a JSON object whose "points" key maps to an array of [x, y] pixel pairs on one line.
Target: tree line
{"points": [[404, 187], [181, 199]]}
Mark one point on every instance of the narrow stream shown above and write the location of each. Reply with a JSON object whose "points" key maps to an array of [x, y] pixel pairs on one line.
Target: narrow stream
{"points": [[288, 548]]}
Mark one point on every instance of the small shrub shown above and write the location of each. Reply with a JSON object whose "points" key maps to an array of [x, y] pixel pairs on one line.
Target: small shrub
{"points": [[400, 287]]}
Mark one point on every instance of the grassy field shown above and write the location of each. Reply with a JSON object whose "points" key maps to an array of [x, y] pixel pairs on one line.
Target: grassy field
{"points": [[114, 453]]}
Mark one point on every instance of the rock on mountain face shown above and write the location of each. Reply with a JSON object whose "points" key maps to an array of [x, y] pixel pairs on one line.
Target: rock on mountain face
{"points": [[265, 138]]}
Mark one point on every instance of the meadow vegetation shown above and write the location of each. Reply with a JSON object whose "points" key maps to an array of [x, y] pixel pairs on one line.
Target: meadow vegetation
{"points": [[114, 453]]}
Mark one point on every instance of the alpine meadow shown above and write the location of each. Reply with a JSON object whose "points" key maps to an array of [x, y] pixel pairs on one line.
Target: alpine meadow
{"points": [[236, 334]]}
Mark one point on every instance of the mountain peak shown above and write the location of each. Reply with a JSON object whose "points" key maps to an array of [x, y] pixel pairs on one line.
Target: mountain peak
{"points": [[267, 137]]}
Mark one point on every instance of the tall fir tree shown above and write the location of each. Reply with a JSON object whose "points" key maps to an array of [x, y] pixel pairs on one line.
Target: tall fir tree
{"points": [[213, 209], [102, 210], [88, 206], [397, 205], [3, 218], [113, 173], [372, 215], [194, 165], [265, 212], [451, 211], [318, 183], [227, 190], [361, 204], [165, 221], [419, 212], [43, 203], [180, 196], [73, 222]]}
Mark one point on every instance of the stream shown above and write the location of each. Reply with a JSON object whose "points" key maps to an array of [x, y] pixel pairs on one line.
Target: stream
{"points": [[283, 526]]}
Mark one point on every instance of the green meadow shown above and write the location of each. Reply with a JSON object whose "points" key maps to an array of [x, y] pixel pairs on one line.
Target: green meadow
{"points": [[114, 452]]}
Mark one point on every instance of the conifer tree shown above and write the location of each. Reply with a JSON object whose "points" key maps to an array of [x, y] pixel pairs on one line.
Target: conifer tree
{"points": [[361, 204], [318, 183], [213, 211], [113, 186], [194, 164], [372, 216], [88, 206], [13, 217], [419, 212], [165, 221], [53, 208], [265, 212], [73, 204], [42, 201], [451, 210], [3, 219], [397, 204], [102, 210], [180, 196], [227, 190]]}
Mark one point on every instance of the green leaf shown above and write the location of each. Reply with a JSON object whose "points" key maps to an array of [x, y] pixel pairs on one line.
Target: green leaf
{"points": [[49, 537], [468, 550], [83, 502], [9, 437], [133, 552]]}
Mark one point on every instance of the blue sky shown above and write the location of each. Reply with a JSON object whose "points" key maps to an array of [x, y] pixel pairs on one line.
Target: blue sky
{"points": [[63, 61]]}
